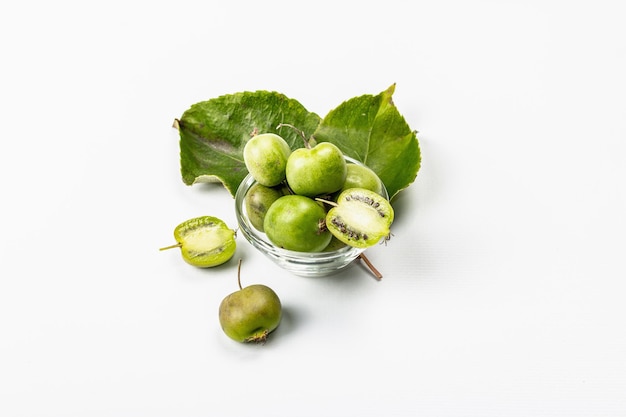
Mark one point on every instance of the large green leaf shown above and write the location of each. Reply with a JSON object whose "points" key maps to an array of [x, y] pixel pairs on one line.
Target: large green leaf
{"points": [[213, 133], [370, 129]]}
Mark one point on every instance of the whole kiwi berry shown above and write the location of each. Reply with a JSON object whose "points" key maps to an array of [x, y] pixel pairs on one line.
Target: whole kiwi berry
{"points": [[250, 314]]}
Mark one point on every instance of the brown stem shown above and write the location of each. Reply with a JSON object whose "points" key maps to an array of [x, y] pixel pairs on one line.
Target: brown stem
{"points": [[372, 268], [307, 144], [239, 273]]}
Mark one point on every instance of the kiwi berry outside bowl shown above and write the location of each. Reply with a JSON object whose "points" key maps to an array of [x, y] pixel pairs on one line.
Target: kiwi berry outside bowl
{"points": [[308, 264]]}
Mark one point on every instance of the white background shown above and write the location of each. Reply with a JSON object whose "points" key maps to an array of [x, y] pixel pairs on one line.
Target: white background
{"points": [[504, 283]]}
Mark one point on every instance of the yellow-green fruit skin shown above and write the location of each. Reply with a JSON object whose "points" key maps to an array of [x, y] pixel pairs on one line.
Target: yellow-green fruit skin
{"points": [[250, 314], [294, 222], [335, 244], [205, 241], [265, 157], [316, 171], [257, 201], [360, 176]]}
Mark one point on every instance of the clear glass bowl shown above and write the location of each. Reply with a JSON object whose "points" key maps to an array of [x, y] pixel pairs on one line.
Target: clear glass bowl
{"points": [[310, 264]]}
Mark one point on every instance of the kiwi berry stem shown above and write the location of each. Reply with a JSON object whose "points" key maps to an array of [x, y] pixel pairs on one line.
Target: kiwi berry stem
{"points": [[177, 245], [369, 264], [330, 203], [239, 274], [307, 144]]}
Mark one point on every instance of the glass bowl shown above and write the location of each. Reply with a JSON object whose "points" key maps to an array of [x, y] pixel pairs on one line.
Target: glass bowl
{"points": [[308, 264]]}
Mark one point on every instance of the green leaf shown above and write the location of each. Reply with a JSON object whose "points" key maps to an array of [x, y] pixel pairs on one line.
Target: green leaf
{"points": [[213, 133], [370, 129]]}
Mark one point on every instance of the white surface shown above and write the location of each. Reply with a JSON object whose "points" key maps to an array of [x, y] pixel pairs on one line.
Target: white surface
{"points": [[503, 289]]}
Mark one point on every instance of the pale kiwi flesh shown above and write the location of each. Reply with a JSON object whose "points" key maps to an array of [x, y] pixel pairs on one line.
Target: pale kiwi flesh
{"points": [[361, 218]]}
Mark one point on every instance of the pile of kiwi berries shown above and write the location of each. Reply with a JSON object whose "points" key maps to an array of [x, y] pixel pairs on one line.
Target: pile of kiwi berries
{"points": [[306, 200], [311, 199]]}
